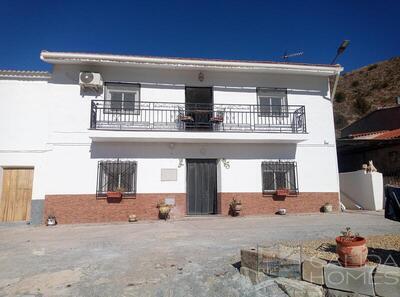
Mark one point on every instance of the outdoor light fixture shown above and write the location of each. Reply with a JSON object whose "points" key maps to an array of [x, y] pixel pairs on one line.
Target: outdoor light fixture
{"points": [[340, 50], [180, 163], [201, 76], [226, 163]]}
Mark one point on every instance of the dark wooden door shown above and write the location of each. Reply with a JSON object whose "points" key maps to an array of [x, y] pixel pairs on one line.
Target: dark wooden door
{"points": [[201, 183], [199, 105]]}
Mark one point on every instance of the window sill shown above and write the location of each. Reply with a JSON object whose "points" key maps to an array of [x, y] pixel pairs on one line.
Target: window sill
{"points": [[273, 194], [124, 196]]}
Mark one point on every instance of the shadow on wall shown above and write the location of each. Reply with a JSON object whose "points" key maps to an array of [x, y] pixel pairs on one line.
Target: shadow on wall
{"points": [[296, 84], [182, 150]]}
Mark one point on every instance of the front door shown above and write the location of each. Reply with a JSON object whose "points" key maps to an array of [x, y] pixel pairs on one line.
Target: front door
{"points": [[16, 195], [201, 186]]}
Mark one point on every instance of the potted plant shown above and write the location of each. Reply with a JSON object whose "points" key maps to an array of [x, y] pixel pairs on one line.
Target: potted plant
{"points": [[351, 249], [282, 192], [163, 210], [235, 207], [327, 207]]}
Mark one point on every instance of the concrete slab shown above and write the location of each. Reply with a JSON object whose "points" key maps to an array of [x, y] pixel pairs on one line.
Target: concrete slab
{"points": [[249, 258], [387, 281], [296, 288], [358, 280], [338, 293], [255, 276], [312, 270]]}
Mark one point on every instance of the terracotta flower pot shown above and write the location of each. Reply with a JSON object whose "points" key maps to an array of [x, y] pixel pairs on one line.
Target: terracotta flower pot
{"points": [[352, 252], [282, 192], [116, 194]]}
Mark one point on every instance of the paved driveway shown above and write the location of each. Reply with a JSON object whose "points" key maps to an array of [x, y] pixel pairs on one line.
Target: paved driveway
{"points": [[192, 257]]}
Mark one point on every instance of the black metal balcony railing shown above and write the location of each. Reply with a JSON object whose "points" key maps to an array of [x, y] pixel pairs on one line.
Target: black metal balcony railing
{"points": [[163, 116]]}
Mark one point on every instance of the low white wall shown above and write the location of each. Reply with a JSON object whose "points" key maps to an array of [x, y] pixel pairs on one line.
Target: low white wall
{"points": [[361, 188]]}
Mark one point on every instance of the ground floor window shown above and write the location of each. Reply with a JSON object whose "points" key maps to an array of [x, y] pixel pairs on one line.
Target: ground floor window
{"points": [[279, 175], [116, 176]]}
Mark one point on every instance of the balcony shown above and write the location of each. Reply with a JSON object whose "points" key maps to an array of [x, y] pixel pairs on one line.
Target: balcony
{"points": [[181, 117]]}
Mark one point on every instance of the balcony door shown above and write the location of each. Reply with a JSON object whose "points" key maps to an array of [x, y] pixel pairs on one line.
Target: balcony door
{"points": [[199, 106]]}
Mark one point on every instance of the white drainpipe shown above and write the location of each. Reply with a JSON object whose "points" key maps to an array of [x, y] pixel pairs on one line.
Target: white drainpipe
{"points": [[335, 86]]}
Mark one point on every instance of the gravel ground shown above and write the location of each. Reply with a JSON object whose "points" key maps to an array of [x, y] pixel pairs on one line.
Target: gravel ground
{"points": [[192, 257], [382, 249]]}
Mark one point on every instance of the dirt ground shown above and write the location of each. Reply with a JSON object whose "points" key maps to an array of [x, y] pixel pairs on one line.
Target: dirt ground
{"points": [[190, 257], [382, 249]]}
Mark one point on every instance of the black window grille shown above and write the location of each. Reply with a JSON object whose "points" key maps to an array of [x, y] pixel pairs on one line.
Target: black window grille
{"points": [[116, 176], [279, 175]]}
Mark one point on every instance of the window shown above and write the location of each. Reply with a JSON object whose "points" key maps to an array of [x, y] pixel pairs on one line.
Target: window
{"points": [[271, 102], [122, 98], [116, 176], [279, 175]]}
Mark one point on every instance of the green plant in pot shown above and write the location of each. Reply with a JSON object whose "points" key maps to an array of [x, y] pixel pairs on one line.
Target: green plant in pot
{"points": [[235, 207], [163, 210], [351, 249]]}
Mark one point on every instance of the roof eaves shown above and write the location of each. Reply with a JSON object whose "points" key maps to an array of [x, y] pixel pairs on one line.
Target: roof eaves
{"points": [[80, 58]]}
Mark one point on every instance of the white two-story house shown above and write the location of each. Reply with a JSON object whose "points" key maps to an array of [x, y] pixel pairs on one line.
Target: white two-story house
{"points": [[102, 137]]}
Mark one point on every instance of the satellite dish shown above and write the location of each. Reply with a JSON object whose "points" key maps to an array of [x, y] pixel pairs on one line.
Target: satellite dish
{"points": [[87, 77]]}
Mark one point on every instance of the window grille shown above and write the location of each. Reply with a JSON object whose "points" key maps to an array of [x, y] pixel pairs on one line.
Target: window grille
{"points": [[279, 175], [116, 176]]}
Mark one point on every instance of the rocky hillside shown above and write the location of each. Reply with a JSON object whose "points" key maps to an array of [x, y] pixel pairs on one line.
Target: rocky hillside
{"points": [[366, 89]]}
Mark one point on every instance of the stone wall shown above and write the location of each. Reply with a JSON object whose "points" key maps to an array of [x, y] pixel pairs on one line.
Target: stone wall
{"points": [[331, 278]]}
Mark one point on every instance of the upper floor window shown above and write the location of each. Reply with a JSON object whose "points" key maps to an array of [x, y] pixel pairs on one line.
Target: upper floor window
{"points": [[116, 176], [279, 175], [271, 102], [122, 97]]}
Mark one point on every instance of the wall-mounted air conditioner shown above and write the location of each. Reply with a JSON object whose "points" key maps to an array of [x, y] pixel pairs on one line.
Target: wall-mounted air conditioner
{"points": [[90, 80]]}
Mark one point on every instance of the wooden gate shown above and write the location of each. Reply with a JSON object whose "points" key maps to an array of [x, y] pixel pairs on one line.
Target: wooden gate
{"points": [[16, 195], [201, 186]]}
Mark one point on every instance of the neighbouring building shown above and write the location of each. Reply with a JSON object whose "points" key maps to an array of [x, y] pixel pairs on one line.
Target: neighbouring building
{"points": [[375, 137], [193, 133]]}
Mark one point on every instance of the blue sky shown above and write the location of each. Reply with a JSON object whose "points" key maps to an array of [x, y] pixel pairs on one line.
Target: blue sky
{"points": [[253, 30]]}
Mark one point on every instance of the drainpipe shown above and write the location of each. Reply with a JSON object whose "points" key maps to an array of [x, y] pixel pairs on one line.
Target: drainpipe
{"points": [[337, 164], [335, 85]]}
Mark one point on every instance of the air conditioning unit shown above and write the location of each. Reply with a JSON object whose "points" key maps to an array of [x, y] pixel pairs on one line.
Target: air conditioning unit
{"points": [[90, 80]]}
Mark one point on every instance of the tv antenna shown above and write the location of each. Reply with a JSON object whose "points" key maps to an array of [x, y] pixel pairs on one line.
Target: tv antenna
{"points": [[286, 56]]}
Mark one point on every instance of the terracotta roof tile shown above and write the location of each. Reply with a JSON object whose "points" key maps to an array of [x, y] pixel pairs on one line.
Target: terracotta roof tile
{"points": [[378, 135], [389, 134]]}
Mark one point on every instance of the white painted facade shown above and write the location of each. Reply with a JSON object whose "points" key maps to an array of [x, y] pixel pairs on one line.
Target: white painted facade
{"points": [[44, 123]]}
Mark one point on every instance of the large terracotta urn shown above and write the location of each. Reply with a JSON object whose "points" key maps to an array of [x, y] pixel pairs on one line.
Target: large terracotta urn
{"points": [[352, 251]]}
